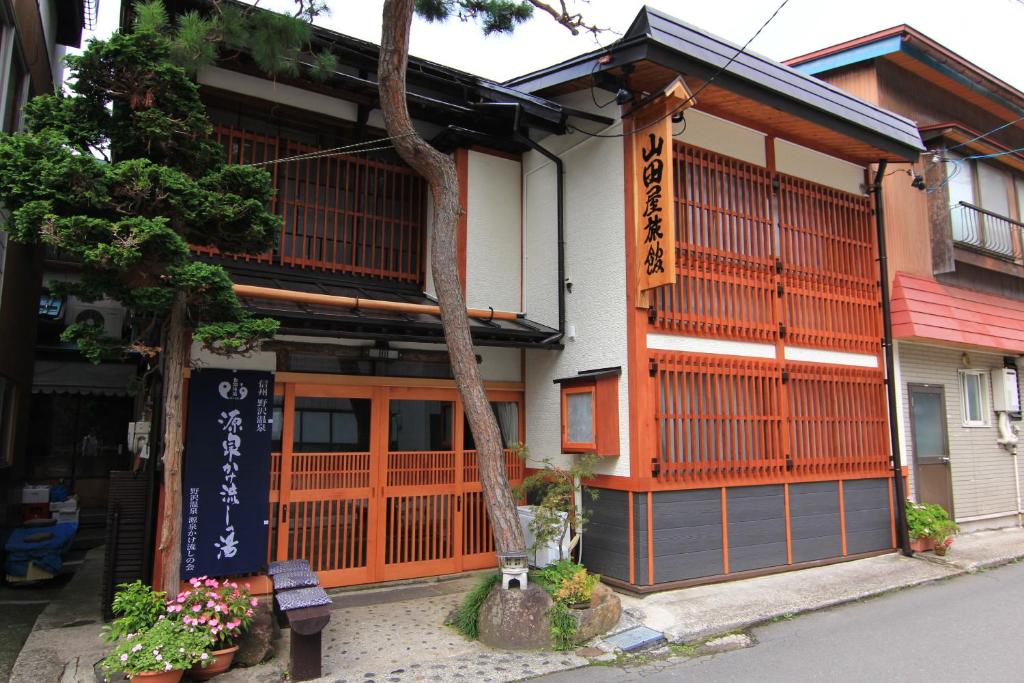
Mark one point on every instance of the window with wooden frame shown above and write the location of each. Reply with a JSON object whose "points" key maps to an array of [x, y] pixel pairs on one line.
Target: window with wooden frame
{"points": [[974, 397], [590, 412]]}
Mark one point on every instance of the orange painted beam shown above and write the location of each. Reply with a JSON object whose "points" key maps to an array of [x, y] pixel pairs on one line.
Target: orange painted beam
{"points": [[356, 302]]}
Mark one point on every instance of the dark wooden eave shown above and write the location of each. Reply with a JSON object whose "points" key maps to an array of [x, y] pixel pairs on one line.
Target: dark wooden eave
{"points": [[751, 89]]}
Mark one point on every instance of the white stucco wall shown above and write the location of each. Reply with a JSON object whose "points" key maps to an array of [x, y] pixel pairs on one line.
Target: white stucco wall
{"points": [[724, 137], [595, 264], [494, 232], [821, 168]]}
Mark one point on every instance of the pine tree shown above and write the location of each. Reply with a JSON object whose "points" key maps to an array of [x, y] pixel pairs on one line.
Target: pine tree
{"points": [[124, 175]]}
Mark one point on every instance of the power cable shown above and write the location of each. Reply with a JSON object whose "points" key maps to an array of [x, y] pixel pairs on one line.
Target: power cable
{"points": [[355, 148], [985, 135], [706, 83]]}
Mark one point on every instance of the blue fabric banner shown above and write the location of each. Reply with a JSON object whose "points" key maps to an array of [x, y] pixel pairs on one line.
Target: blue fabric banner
{"points": [[226, 486]]}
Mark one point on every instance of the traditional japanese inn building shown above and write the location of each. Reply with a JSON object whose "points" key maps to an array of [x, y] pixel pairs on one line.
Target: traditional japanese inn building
{"points": [[683, 281]]}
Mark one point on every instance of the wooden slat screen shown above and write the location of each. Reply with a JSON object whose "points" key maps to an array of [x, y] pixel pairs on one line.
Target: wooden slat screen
{"points": [[725, 250], [728, 420], [837, 421], [346, 214], [719, 419], [747, 237], [830, 272]]}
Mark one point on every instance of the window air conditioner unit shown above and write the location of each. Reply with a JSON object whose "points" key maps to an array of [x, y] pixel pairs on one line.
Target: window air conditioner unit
{"points": [[106, 313]]}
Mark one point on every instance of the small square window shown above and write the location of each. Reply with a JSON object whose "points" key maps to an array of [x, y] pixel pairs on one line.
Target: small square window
{"points": [[974, 397], [590, 416]]}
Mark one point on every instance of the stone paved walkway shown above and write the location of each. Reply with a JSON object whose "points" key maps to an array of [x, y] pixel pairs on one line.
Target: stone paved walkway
{"points": [[404, 641]]}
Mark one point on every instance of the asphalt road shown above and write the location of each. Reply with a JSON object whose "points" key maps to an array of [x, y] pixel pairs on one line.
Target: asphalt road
{"points": [[969, 628]]}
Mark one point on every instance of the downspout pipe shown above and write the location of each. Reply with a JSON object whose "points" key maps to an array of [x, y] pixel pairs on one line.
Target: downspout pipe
{"points": [[902, 535], [560, 229]]}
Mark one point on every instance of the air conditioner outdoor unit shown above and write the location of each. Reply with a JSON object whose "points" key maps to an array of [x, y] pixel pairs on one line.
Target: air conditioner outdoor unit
{"points": [[109, 314]]}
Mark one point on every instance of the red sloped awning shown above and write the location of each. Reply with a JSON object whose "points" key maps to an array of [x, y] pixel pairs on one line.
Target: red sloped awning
{"points": [[931, 311]]}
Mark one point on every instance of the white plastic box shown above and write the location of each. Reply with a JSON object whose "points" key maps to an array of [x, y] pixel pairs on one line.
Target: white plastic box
{"points": [[547, 554], [69, 505], [35, 494], [65, 516]]}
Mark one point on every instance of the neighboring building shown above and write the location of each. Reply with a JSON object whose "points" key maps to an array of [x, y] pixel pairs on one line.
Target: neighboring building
{"points": [[739, 409], [956, 265], [32, 39]]}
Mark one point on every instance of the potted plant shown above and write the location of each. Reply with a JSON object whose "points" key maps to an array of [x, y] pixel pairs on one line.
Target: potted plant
{"points": [[158, 654], [941, 535], [923, 519], [577, 589], [558, 513], [220, 610]]}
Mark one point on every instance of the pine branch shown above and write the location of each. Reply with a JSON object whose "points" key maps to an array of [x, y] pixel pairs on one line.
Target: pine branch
{"points": [[574, 23]]}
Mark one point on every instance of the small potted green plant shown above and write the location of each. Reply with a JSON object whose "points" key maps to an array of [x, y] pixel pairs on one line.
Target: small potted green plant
{"points": [[220, 610], [158, 654], [923, 519], [941, 535]]}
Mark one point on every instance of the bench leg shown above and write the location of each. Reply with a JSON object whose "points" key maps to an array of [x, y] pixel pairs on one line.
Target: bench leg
{"points": [[305, 657]]}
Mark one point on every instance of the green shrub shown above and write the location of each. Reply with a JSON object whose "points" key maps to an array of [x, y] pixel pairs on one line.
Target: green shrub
{"points": [[465, 619], [924, 518], [563, 626], [137, 606]]}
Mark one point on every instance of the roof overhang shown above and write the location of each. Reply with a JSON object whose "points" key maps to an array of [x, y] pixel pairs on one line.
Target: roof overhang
{"points": [[754, 90], [912, 50], [929, 311], [972, 141], [315, 320]]}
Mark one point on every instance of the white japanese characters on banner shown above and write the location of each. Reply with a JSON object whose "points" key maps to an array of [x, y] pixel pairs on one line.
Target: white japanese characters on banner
{"points": [[227, 472]]}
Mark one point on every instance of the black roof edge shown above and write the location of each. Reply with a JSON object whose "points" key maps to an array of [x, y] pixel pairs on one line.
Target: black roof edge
{"points": [[638, 44], [586, 375]]}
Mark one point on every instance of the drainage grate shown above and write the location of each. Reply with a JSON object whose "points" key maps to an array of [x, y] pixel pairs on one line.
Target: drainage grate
{"points": [[636, 638]]}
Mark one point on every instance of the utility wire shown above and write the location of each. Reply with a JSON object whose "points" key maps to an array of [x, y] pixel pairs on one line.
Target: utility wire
{"points": [[355, 148], [996, 154], [985, 135], [706, 83]]}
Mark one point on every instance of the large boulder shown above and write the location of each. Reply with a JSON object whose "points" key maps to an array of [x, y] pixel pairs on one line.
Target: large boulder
{"points": [[603, 613], [257, 644], [516, 619]]}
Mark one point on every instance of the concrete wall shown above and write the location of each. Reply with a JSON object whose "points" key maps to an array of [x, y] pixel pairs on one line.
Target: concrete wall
{"points": [[983, 472], [494, 232], [595, 263]]}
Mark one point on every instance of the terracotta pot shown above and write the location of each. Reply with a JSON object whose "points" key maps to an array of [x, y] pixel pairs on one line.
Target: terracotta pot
{"points": [[221, 662], [921, 545], [172, 676]]}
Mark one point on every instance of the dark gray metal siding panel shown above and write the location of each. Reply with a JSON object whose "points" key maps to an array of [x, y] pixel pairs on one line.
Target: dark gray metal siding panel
{"points": [[687, 534], [640, 538], [866, 502], [606, 534], [757, 527], [814, 522]]}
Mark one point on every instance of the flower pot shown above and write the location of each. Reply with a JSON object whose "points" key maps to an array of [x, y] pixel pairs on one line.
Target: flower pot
{"points": [[172, 676], [221, 662], [923, 544]]}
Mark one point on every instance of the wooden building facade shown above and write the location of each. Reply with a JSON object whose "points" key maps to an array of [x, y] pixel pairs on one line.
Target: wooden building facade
{"points": [[738, 409]]}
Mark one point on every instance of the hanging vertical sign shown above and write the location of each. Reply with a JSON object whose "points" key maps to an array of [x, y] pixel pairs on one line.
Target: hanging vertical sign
{"points": [[654, 188], [226, 485]]}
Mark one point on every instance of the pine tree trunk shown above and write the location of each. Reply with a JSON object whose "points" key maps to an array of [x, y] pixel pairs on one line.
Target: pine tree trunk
{"points": [[173, 443], [439, 171]]}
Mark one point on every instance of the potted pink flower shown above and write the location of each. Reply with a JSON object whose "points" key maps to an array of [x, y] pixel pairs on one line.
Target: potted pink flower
{"points": [[222, 610]]}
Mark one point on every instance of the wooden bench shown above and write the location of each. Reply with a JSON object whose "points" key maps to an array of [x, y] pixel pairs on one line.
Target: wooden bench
{"points": [[303, 606]]}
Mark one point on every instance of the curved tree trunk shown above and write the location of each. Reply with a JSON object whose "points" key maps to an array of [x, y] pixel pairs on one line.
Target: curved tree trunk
{"points": [[439, 170], [173, 445]]}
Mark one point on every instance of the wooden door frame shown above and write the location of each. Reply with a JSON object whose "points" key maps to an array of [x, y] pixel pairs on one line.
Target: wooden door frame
{"points": [[939, 389]]}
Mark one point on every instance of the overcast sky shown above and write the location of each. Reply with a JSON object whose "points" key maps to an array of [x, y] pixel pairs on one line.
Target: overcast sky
{"points": [[986, 32]]}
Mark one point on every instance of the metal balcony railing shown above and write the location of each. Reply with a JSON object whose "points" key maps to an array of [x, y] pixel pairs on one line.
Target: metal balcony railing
{"points": [[990, 232]]}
